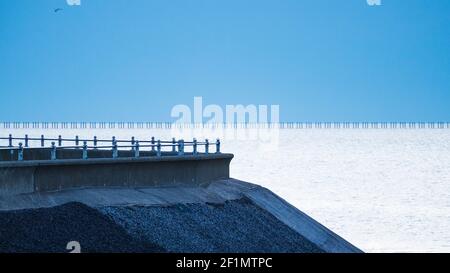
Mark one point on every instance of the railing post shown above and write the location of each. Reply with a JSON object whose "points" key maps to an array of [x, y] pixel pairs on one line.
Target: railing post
{"points": [[158, 148], [10, 140], [194, 146], [218, 146], [115, 153], [132, 143], [180, 147], [53, 151], [85, 155], [136, 149], [20, 152]]}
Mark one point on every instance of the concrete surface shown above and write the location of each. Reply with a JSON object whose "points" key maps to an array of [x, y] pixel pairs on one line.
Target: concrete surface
{"points": [[22, 177]]}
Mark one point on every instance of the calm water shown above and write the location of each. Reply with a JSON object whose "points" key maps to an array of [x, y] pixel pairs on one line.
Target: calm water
{"points": [[383, 190]]}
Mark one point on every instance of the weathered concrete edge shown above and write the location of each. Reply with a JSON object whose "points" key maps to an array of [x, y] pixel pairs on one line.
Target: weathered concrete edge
{"points": [[120, 160], [41, 176], [215, 192]]}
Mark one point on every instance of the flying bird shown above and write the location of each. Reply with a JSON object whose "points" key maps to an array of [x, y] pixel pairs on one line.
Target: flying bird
{"points": [[57, 10]]}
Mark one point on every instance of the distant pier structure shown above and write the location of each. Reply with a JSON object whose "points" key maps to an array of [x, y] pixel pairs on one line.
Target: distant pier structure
{"points": [[33, 164], [171, 125]]}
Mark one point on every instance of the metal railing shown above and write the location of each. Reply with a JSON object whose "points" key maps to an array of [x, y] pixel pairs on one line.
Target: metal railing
{"points": [[157, 147]]}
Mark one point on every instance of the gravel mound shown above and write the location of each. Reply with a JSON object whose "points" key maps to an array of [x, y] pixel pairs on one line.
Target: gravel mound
{"points": [[237, 226], [50, 229]]}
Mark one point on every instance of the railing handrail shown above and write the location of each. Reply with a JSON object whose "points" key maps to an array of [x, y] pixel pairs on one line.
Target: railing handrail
{"points": [[85, 139], [178, 146], [89, 147]]}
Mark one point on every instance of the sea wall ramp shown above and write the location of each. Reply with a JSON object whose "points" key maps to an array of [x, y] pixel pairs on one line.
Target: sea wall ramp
{"points": [[125, 201]]}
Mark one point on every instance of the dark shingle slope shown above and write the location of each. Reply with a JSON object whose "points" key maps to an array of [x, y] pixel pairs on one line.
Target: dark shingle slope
{"points": [[234, 226], [50, 229]]}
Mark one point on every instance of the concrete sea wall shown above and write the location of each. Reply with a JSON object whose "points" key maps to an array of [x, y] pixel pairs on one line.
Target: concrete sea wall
{"points": [[51, 175]]}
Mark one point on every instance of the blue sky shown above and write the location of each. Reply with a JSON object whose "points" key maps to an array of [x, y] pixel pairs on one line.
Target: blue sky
{"points": [[320, 60]]}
